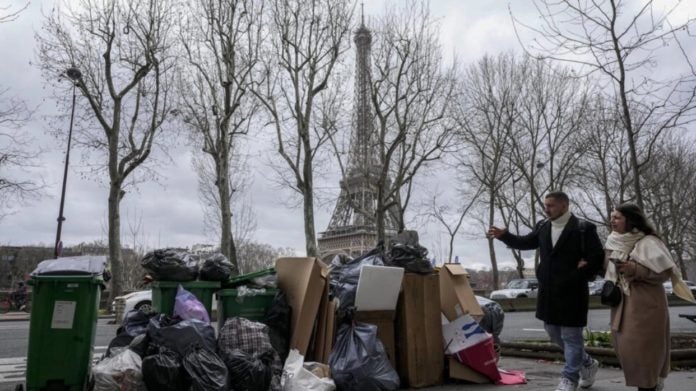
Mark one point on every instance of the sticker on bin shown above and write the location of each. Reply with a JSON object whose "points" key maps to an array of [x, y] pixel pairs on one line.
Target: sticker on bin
{"points": [[63, 314]]}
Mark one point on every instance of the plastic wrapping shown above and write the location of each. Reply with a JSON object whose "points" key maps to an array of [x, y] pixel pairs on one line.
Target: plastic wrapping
{"points": [[171, 265], [187, 306], [206, 370], [135, 322], [493, 317], [216, 267], [87, 264], [181, 336], [248, 372], [359, 362], [244, 291], [120, 372], [297, 378], [165, 371]]}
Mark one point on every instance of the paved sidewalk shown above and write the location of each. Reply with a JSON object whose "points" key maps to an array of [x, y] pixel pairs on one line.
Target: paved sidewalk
{"points": [[15, 316], [544, 376]]}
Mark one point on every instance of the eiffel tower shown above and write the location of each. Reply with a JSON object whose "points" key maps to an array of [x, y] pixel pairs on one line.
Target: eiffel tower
{"points": [[352, 229]]}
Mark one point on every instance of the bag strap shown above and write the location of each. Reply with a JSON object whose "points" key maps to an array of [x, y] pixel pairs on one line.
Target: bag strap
{"points": [[582, 225]]}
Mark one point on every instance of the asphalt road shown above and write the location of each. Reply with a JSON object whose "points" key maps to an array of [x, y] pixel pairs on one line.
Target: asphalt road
{"points": [[524, 326]]}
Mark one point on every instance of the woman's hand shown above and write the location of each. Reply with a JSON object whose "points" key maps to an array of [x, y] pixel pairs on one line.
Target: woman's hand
{"points": [[627, 268]]}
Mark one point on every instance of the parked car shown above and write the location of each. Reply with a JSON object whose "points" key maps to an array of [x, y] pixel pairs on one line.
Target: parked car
{"points": [[595, 286], [138, 300], [670, 291], [520, 287]]}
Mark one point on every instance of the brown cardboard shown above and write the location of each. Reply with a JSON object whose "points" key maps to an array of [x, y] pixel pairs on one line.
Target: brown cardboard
{"points": [[384, 320], [323, 341], [304, 282], [456, 296], [460, 371], [420, 354]]}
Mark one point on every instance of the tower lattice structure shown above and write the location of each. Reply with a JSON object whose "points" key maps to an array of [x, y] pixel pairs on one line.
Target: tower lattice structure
{"points": [[352, 229]]}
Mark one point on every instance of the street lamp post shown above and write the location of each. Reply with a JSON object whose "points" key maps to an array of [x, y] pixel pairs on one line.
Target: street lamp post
{"points": [[74, 74]]}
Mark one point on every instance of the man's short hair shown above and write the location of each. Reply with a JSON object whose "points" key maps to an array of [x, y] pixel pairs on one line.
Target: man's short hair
{"points": [[559, 196]]}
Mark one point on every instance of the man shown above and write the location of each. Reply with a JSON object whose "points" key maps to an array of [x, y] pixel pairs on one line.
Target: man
{"points": [[570, 255]]}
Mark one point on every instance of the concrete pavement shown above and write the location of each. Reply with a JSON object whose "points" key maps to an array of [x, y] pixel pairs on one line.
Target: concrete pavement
{"points": [[544, 376]]}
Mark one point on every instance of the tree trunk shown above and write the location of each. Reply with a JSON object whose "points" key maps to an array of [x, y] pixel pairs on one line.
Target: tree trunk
{"points": [[227, 246], [308, 193], [491, 247], [115, 260]]}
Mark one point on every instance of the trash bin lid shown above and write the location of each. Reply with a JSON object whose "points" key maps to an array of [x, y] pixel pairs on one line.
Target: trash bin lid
{"points": [[244, 279], [86, 264]]}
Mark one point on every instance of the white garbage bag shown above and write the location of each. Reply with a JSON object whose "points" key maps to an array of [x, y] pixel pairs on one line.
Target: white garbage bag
{"points": [[297, 378]]}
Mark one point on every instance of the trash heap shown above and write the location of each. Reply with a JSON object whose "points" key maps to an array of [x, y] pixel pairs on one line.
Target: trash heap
{"points": [[382, 321]]}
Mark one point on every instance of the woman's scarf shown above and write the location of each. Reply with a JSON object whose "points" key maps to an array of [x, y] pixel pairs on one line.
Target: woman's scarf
{"points": [[650, 252], [620, 246]]}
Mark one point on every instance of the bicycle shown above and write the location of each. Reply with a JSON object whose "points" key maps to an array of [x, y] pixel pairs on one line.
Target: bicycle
{"points": [[8, 303]]}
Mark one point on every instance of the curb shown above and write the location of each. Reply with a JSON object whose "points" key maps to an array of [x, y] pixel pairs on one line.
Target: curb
{"points": [[22, 316]]}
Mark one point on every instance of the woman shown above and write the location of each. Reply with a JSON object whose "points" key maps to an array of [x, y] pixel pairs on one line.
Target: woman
{"points": [[639, 262]]}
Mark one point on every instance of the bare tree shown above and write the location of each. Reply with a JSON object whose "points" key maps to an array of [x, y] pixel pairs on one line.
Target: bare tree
{"points": [[669, 185], [623, 47], [7, 14], [490, 90], [222, 42], [18, 151], [412, 96], [452, 218], [307, 40], [254, 256], [121, 49]]}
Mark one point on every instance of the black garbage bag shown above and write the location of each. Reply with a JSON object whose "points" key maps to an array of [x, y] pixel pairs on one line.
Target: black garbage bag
{"points": [[171, 265], [359, 362], [278, 319], [135, 322], [165, 371], [344, 274], [181, 336], [140, 344], [493, 317], [413, 258], [206, 370], [248, 372], [217, 268]]}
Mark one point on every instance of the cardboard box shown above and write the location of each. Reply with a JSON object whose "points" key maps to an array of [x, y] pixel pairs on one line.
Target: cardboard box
{"points": [[460, 371], [418, 329], [304, 281], [456, 296], [326, 329], [384, 320]]}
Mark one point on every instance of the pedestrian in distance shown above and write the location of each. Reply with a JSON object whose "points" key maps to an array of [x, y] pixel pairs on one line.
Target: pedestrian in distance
{"points": [[570, 254], [638, 261]]}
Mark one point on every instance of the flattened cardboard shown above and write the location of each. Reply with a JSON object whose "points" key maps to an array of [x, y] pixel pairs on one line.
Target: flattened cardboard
{"points": [[419, 332], [324, 337], [460, 371], [378, 288], [384, 320], [456, 296], [304, 282]]}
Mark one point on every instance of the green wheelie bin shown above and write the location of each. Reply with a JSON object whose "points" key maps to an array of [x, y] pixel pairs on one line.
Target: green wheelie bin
{"points": [[164, 294], [61, 331]]}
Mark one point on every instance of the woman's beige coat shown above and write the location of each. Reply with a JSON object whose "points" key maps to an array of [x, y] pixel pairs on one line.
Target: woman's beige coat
{"points": [[640, 327]]}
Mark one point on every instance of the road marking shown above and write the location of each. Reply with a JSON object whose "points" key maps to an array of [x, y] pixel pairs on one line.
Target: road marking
{"points": [[537, 330], [14, 369]]}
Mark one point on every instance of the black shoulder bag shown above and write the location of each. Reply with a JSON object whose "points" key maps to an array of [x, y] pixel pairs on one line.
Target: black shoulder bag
{"points": [[611, 294]]}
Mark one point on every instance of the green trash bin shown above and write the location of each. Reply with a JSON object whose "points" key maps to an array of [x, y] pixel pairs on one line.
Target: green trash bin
{"points": [[164, 294], [245, 279], [61, 331], [230, 303]]}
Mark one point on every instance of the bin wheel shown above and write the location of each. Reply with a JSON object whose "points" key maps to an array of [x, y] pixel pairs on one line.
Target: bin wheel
{"points": [[19, 387]]}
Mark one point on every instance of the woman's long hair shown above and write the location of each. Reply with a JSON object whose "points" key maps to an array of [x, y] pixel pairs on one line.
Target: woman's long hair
{"points": [[635, 219]]}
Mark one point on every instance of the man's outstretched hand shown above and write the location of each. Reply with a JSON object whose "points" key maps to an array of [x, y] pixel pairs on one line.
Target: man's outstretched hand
{"points": [[495, 232]]}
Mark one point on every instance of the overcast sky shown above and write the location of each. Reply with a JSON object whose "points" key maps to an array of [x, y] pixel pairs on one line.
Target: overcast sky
{"points": [[172, 214]]}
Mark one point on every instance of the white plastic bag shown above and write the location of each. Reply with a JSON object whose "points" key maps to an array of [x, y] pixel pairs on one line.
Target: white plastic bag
{"points": [[187, 306], [121, 372], [297, 378]]}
